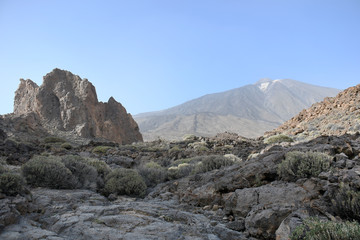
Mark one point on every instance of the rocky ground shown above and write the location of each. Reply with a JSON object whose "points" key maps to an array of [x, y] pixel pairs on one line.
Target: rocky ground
{"points": [[249, 199]]}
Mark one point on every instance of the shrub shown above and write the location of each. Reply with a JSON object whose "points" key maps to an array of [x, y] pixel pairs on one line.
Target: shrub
{"points": [[101, 167], [212, 162], [49, 171], [84, 173], [152, 173], [315, 229], [180, 171], [189, 137], [2, 169], [180, 161], [101, 149], [278, 139], [53, 140], [67, 146], [303, 165], [346, 203], [123, 181], [233, 158], [11, 184], [174, 150]]}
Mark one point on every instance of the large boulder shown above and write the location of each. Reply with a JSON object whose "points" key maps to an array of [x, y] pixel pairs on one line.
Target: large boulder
{"points": [[65, 103]]}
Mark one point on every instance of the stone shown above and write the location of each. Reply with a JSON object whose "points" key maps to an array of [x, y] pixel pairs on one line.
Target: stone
{"points": [[83, 214], [65, 103]]}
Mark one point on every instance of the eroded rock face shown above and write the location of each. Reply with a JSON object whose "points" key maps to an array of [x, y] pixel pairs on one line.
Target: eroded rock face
{"points": [[67, 103]]}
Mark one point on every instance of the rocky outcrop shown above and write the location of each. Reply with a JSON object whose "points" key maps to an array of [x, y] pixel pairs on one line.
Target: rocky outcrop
{"points": [[333, 116], [65, 103]]}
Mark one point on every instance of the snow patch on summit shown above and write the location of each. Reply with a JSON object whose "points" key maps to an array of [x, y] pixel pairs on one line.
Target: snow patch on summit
{"points": [[264, 86]]}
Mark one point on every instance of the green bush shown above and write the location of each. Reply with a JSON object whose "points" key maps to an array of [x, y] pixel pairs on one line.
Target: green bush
{"points": [[278, 139], [53, 140], [124, 181], [346, 203], [2, 169], [152, 173], [303, 165], [315, 229], [85, 175], [180, 171], [212, 162], [49, 172], [101, 167], [11, 184], [180, 161], [101, 149], [66, 145], [174, 150], [189, 137]]}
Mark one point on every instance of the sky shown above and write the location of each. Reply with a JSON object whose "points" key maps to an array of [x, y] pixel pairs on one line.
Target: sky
{"points": [[154, 54]]}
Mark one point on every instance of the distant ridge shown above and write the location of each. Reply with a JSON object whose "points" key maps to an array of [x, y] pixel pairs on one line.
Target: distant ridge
{"points": [[249, 110]]}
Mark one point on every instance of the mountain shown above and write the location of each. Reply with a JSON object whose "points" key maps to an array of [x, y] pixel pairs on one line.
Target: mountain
{"points": [[249, 110], [67, 105], [333, 116]]}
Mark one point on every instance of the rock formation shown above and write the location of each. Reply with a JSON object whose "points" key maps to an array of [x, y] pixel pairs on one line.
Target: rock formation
{"points": [[333, 116], [65, 103]]}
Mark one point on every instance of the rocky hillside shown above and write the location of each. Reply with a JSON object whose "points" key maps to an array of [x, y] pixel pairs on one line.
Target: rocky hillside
{"points": [[333, 116], [225, 187], [222, 188], [66, 105], [249, 111]]}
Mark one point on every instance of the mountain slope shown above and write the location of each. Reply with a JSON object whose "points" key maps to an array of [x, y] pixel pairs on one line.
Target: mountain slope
{"points": [[333, 116], [250, 110]]}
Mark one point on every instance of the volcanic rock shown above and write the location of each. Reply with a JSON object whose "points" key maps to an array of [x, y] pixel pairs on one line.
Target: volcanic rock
{"points": [[333, 116], [65, 103]]}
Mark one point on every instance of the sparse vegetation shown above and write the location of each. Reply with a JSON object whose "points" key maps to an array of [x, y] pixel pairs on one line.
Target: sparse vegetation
{"points": [[212, 162], [123, 181], [278, 139], [66, 145], [315, 229], [189, 137], [298, 165], [53, 140], [101, 167], [180, 171], [346, 203], [101, 149], [152, 173], [11, 184], [174, 150], [49, 172], [84, 173], [2, 169]]}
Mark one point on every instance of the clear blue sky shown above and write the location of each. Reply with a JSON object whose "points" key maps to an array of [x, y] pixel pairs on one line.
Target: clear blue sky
{"points": [[155, 54]]}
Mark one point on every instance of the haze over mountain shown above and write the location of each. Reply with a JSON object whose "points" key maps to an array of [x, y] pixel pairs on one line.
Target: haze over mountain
{"points": [[249, 110]]}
